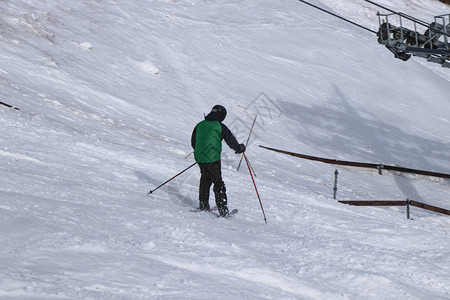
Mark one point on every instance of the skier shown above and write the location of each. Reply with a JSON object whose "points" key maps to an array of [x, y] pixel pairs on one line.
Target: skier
{"points": [[206, 140]]}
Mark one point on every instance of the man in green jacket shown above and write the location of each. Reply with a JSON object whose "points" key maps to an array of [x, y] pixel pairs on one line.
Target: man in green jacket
{"points": [[207, 143]]}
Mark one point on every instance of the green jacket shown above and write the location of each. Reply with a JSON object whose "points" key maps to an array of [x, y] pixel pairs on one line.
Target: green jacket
{"points": [[207, 139]]}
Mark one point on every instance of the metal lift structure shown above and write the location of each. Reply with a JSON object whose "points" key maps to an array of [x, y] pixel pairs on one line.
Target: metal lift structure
{"points": [[425, 40], [432, 44]]}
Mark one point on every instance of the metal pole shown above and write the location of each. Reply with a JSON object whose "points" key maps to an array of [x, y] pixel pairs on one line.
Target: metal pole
{"points": [[151, 192], [246, 144], [251, 167], [189, 155], [407, 209], [380, 169], [335, 184], [254, 184]]}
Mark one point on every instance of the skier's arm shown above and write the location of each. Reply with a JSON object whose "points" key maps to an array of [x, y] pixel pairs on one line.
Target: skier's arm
{"points": [[231, 140], [193, 136]]}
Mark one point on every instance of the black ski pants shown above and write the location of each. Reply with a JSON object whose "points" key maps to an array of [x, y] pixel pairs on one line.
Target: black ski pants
{"points": [[211, 173]]}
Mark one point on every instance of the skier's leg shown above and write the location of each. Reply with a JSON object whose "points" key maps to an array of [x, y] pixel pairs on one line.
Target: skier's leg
{"points": [[205, 186], [219, 189], [221, 198]]}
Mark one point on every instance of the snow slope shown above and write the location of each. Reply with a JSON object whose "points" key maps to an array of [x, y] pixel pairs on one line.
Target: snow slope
{"points": [[109, 92]]}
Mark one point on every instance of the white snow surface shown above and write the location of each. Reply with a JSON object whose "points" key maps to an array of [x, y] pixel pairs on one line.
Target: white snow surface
{"points": [[109, 93]]}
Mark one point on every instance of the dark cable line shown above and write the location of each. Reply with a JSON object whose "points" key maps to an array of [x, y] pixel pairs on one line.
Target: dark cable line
{"points": [[411, 18], [337, 16]]}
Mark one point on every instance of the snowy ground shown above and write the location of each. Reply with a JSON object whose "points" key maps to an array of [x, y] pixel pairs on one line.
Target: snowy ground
{"points": [[109, 92]]}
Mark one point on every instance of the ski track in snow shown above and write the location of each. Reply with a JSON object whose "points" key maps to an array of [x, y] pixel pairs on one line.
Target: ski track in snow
{"points": [[109, 93]]}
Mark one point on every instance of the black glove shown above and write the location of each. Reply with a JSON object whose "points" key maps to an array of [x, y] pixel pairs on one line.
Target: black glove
{"points": [[240, 149]]}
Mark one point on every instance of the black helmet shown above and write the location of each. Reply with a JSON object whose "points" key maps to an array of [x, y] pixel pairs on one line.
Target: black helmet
{"points": [[220, 111]]}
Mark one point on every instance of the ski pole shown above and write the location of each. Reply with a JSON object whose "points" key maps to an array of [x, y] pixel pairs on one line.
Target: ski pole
{"points": [[254, 184], [251, 167], [250, 133], [171, 178]]}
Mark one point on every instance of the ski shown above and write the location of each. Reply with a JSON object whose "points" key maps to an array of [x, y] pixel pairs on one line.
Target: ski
{"points": [[230, 214], [214, 212]]}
